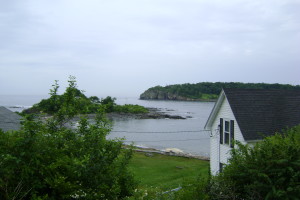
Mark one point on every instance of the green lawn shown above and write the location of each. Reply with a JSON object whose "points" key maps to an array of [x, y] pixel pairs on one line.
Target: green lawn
{"points": [[166, 172]]}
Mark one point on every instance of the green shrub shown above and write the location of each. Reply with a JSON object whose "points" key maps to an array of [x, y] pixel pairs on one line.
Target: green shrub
{"points": [[195, 189], [269, 170], [46, 160]]}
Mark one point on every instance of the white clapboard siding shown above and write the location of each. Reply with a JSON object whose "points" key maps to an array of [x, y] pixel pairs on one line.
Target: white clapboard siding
{"points": [[221, 152]]}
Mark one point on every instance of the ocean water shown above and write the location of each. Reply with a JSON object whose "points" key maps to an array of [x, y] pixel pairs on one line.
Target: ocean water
{"points": [[187, 135], [20, 102]]}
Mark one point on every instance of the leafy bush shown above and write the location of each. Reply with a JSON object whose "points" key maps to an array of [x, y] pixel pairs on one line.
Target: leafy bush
{"points": [[196, 189], [269, 170], [46, 160], [108, 103]]}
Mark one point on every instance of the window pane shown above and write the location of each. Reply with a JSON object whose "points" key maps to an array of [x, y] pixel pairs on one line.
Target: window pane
{"points": [[227, 126], [226, 137]]}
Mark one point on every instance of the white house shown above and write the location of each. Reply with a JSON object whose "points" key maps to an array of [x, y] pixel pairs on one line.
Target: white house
{"points": [[248, 115]]}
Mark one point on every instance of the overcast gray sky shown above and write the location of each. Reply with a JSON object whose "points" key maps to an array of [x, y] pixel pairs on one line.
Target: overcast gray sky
{"points": [[123, 47]]}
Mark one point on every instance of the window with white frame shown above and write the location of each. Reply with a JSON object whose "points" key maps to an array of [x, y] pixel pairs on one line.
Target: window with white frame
{"points": [[226, 132]]}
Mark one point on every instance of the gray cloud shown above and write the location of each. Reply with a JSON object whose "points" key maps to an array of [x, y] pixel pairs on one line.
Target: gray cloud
{"points": [[121, 48]]}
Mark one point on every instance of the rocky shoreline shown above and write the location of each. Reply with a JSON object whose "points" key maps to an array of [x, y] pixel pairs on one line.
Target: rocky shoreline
{"points": [[154, 113], [161, 94]]}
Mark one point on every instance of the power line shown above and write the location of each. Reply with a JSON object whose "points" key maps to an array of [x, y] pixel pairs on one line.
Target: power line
{"points": [[165, 132], [196, 131]]}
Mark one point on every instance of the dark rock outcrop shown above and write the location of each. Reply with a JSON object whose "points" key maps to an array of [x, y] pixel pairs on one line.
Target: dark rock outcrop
{"points": [[161, 95]]}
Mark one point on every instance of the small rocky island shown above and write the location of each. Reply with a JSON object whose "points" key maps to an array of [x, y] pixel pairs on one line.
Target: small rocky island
{"points": [[75, 103]]}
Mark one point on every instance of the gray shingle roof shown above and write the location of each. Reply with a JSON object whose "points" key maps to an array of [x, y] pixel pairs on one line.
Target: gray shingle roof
{"points": [[9, 120], [264, 111]]}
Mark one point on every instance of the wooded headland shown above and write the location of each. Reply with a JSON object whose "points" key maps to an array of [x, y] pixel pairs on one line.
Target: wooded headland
{"points": [[203, 91]]}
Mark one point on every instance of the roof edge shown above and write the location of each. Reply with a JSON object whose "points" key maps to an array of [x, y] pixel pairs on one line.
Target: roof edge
{"points": [[214, 111]]}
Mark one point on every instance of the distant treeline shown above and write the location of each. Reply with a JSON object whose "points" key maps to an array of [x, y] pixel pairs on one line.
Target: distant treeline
{"points": [[204, 90]]}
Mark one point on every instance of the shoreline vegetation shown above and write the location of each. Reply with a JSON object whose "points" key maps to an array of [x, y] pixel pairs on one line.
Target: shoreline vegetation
{"points": [[203, 91]]}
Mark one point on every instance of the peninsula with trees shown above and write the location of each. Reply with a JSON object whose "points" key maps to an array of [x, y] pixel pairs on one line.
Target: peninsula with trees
{"points": [[203, 91]]}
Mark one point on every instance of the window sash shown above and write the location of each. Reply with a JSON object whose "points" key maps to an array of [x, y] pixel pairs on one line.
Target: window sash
{"points": [[226, 137], [226, 132], [226, 126]]}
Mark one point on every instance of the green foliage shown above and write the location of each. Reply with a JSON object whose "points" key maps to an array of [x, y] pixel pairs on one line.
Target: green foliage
{"points": [[73, 101], [94, 99], [269, 170], [110, 106], [46, 160], [128, 108], [194, 189], [209, 96], [108, 100], [208, 90], [108, 103], [151, 193]]}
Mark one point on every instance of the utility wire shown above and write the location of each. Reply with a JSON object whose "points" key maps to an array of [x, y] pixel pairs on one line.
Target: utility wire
{"points": [[197, 131], [161, 132]]}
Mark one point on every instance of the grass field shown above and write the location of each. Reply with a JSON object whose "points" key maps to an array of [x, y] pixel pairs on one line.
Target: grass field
{"points": [[166, 172]]}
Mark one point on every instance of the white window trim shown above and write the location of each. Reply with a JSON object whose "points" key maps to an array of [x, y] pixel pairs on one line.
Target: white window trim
{"points": [[229, 132]]}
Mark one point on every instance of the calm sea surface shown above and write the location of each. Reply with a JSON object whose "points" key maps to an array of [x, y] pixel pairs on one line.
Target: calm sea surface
{"points": [[186, 135]]}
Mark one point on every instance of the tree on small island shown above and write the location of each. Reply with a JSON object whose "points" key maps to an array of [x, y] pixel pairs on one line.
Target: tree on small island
{"points": [[81, 103]]}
